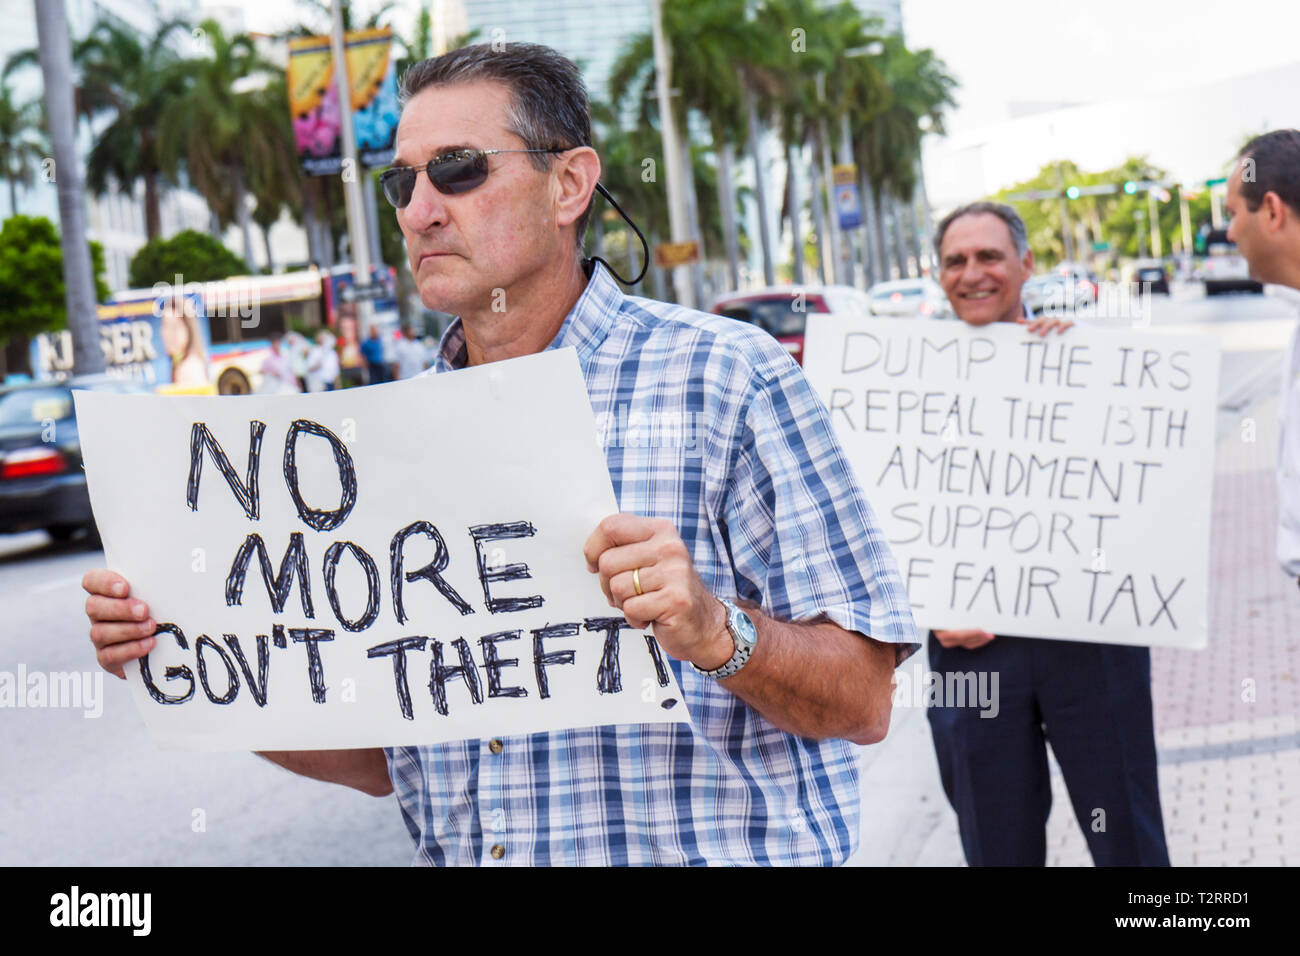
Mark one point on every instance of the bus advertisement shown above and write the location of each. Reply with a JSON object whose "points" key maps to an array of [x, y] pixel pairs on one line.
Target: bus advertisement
{"points": [[212, 337]]}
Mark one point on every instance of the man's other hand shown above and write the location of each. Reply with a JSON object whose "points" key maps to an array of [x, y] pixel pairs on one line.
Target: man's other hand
{"points": [[970, 639], [1045, 325], [689, 622], [120, 626]]}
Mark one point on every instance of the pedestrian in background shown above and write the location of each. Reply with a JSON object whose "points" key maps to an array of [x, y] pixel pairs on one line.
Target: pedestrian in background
{"points": [[277, 369], [372, 350], [298, 347], [410, 357], [322, 364]]}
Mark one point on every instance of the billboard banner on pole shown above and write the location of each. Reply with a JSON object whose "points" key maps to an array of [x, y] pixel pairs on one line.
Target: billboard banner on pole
{"points": [[314, 105]]}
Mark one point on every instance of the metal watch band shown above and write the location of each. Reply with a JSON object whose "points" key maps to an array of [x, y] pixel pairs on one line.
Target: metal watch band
{"points": [[743, 647]]}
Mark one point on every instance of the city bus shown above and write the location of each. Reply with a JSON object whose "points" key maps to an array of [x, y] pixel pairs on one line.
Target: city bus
{"points": [[212, 337]]}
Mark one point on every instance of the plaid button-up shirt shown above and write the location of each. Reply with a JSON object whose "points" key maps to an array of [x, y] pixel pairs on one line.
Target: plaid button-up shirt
{"points": [[709, 423]]}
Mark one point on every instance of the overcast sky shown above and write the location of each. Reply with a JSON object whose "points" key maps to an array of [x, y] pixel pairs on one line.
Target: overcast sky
{"points": [[1091, 50]]}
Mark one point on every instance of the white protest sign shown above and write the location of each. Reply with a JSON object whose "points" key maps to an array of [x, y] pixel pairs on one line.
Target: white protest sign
{"points": [[1051, 487], [384, 566]]}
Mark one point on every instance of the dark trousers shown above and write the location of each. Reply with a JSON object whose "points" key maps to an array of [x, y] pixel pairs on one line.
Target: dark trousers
{"points": [[1093, 702]]}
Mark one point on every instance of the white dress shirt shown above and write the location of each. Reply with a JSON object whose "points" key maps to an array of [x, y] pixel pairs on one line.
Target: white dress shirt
{"points": [[1288, 447]]}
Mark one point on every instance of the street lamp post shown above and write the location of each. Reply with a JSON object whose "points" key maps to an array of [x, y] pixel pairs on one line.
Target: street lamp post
{"points": [[1065, 216], [1153, 223], [352, 172]]}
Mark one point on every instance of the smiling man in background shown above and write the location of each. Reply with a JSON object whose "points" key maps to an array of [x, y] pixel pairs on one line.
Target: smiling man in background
{"points": [[1091, 700]]}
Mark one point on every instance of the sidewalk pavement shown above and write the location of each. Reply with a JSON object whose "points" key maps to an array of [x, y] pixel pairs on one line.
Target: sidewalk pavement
{"points": [[1227, 719]]}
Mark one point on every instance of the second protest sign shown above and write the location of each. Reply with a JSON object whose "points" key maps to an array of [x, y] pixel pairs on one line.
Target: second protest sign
{"points": [[1052, 487]]}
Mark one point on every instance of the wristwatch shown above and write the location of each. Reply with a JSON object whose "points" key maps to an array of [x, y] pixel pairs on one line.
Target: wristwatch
{"points": [[743, 635]]}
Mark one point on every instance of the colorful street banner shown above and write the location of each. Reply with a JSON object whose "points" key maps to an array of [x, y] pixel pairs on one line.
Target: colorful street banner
{"points": [[848, 205], [314, 104], [670, 255]]}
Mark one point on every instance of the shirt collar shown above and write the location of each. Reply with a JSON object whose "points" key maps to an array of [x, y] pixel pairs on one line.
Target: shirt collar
{"points": [[584, 328]]}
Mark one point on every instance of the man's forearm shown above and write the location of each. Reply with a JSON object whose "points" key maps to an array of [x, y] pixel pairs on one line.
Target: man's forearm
{"points": [[817, 680], [364, 770]]}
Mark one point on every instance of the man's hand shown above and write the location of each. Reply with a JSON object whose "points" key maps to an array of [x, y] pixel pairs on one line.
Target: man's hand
{"points": [[1044, 325], [689, 622], [970, 639], [120, 626]]}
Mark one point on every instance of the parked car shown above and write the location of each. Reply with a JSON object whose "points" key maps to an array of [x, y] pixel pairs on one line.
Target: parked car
{"points": [[1056, 294], [1149, 275], [1224, 268], [42, 482], [909, 297], [782, 311], [1086, 284]]}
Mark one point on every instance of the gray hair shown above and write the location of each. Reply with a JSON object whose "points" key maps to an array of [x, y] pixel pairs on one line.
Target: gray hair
{"points": [[548, 100], [1016, 225]]}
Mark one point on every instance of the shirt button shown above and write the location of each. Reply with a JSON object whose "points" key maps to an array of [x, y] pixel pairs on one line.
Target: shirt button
{"points": [[495, 746], [498, 851]]}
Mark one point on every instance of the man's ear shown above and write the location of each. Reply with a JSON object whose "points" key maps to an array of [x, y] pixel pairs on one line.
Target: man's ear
{"points": [[1028, 262], [1275, 210], [576, 178]]}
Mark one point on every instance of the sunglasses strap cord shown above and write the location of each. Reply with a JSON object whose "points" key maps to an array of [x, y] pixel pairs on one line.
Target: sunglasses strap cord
{"points": [[645, 261]]}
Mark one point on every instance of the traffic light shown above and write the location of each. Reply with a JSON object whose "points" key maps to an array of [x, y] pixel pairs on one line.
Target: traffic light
{"points": [[1072, 192], [1130, 187]]}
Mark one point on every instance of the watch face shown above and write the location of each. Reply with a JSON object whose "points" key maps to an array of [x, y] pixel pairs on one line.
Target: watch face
{"points": [[742, 626]]}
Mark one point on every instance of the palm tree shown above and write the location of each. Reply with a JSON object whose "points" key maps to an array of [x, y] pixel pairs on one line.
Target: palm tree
{"points": [[792, 97], [273, 177], [22, 145], [131, 80], [135, 82], [219, 134], [887, 139], [853, 87], [703, 37], [78, 275]]}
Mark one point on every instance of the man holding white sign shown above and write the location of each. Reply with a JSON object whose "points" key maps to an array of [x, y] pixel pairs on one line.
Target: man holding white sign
{"points": [[1092, 700], [743, 540]]}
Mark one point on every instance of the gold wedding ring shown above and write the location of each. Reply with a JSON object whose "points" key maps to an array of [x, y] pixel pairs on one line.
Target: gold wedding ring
{"points": [[636, 581]]}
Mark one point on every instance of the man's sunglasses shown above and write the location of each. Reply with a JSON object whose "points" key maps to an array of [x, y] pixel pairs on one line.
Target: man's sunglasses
{"points": [[451, 173]]}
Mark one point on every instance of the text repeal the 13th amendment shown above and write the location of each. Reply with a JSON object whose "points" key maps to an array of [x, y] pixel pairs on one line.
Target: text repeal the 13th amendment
{"points": [[1051, 487]]}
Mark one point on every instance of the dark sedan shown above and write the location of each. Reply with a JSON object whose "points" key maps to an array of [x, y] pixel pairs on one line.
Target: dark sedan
{"points": [[1149, 278], [42, 482]]}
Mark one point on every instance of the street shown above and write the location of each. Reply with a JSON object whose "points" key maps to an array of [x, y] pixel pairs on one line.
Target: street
{"points": [[81, 790], [84, 791]]}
